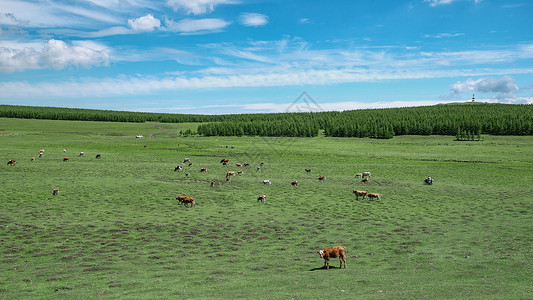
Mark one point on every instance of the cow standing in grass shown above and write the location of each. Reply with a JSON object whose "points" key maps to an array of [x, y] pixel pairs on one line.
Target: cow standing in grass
{"points": [[262, 198], [11, 162], [332, 252], [55, 192], [373, 196], [359, 193]]}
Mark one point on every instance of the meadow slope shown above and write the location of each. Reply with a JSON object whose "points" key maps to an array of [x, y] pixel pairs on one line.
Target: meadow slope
{"points": [[116, 230]]}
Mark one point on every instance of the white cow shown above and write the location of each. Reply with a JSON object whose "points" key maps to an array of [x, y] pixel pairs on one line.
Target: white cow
{"points": [[267, 182]]}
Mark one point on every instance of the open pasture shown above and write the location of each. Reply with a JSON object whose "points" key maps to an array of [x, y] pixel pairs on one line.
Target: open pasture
{"points": [[116, 229]]}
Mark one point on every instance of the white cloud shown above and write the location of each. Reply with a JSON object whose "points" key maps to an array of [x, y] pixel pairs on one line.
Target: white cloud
{"points": [[54, 54], [197, 7], [505, 86], [253, 19], [145, 23], [196, 26], [14, 60], [441, 2], [58, 55], [438, 2], [443, 35]]}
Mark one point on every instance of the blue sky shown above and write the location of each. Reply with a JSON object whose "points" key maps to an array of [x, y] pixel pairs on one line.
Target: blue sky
{"points": [[248, 56]]}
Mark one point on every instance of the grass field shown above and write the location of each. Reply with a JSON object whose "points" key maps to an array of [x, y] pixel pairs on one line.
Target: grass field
{"points": [[116, 230]]}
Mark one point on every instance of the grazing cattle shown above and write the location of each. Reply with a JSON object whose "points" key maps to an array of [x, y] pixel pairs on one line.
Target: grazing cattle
{"points": [[55, 192], [203, 170], [186, 200], [232, 147], [139, 136], [246, 164], [228, 180], [240, 172], [267, 182], [333, 252], [224, 161], [321, 178], [308, 170], [190, 164], [178, 168], [238, 165], [212, 183], [429, 180], [66, 158], [98, 156], [366, 174], [64, 150], [33, 159], [186, 160], [82, 154], [189, 201], [262, 198], [231, 173], [262, 163], [11, 162], [41, 154], [258, 169], [41, 151], [373, 196], [294, 183], [359, 194], [359, 175], [187, 174], [365, 180]]}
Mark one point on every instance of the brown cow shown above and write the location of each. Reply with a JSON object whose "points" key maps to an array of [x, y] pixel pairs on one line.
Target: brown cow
{"points": [[189, 201], [294, 183], [332, 252], [187, 175], [55, 192], [186, 200], [246, 164], [240, 172], [365, 180], [66, 158], [373, 195], [224, 161], [212, 183], [360, 193], [203, 170], [190, 164], [262, 198], [12, 162], [230, 173], [322, 178], [238, 165]]}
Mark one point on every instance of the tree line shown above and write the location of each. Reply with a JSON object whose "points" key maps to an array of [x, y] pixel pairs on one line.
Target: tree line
{"points": [[449, 119]]}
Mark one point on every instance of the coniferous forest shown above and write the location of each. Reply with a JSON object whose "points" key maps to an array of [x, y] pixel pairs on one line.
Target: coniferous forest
{"points": [[464, 120]]}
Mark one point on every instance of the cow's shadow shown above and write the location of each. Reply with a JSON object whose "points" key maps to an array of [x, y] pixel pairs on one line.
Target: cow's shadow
{"points": [[323, 268]]}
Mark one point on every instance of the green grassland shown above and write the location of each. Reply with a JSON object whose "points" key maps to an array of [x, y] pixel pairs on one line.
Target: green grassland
{"points": [[116, 230]]}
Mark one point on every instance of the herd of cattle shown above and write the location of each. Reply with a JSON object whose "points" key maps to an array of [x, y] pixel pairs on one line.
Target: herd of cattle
{"points": [[55, 192], [365, 178], [326, 254]]}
